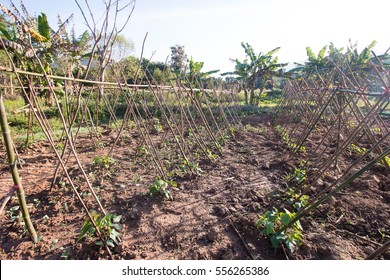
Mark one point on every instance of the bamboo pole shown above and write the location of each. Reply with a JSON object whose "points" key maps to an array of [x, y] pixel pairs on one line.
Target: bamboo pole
{"points": [[379, 251], [14, 171], [304, 211]]}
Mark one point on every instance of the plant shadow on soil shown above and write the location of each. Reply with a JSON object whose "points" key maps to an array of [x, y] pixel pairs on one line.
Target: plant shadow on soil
{"points": [[212, 216]]}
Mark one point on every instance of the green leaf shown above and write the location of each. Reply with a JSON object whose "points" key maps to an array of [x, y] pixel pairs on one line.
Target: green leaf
{"points": [[83, 40], [270, 53], [116, 219], [152, 190], [117, 226], [322, 52], [87, 229], [269, 229], [286, 219], [290, 246], [280, 236], [297, 205], [275, 242], [298, 225], [114, 235], [5, 33], [310, 54], [43, 26], [66, 253], [110, 243]]}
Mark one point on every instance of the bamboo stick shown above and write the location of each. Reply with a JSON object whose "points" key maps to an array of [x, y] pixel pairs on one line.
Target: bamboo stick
{"points": [[14, 171]]}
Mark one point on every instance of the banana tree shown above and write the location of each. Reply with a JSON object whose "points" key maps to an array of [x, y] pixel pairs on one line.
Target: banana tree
{"points": [[74, 49], [25, 37], [256, 70], [242, 73], [315, 63], [195, 74], [327, 59]]}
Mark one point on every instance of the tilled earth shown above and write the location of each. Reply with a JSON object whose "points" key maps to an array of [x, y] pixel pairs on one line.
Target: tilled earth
{"points": [[211, 216]]}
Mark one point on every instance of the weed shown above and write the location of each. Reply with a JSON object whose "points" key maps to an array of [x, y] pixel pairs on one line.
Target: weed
{"points": [[272, 221]]}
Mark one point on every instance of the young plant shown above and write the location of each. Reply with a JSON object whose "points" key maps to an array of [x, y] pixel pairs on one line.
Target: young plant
{"points": [[296, 178], [103, 162], [191, 166], [385, 162], [158, 128], [160, 186], [357, 149], [108, 226], [143, 150], [211, 155], [66, 252], [297, 200], [272, 221], [103, 165], [11, 214], [289, 141]]}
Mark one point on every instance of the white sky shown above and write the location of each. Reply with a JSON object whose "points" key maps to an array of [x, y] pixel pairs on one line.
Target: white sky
{"points": [[212, 30]]}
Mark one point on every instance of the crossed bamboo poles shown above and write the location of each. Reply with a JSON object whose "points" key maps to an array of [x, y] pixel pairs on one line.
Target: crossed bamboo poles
{"points": [[189, 112], [330, 113]]}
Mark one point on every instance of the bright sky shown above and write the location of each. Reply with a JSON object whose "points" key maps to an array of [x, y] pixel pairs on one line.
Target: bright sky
{"points": [[212, 30]]}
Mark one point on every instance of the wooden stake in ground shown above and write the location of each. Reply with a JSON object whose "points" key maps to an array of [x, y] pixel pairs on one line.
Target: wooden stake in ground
{"points": [[14, 171]]}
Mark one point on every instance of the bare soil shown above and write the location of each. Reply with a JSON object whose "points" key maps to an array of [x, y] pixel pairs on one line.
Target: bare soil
{"points": [[212, 216]]}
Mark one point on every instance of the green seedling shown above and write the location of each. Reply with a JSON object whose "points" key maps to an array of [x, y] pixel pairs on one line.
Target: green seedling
{"points": [[190, 167], [272, 221], [297, 200], [160, 186], [289, 141], [37, 201], [108, 226], [357, 149], [65, 253], [158, 128], [211, 155], [142, 150], [232, 131], [53, 244], [296, 178], [14, 214], [103, 162], [386, 161]]}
